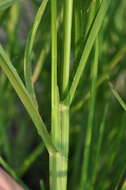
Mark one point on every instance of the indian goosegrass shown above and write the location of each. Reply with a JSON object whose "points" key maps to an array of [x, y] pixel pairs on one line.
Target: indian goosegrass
{"points": [[73, 37]]}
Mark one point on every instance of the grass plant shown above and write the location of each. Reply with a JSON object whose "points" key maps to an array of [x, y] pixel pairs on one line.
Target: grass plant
{"points": [[70, 51]]}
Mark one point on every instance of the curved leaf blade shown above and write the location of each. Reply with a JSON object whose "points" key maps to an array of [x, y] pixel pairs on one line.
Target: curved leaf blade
{"points": [[24, 96], [28, 50]]}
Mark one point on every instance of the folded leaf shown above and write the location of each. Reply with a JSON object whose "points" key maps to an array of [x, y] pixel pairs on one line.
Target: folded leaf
{"points": [[24, 96]]}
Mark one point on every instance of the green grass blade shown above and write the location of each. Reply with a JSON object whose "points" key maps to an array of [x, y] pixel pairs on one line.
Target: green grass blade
{"points": [[87, 49], [54, 164], [12, 26], [21, 91], [28, 50], [54, 87], [91, 15], [30, 160], [120, 179], [105, 76], [117, 96], [7, 3], [99, 144], [77, 16], [68, 12], [94, 71], [44, 54], [40, 63]]}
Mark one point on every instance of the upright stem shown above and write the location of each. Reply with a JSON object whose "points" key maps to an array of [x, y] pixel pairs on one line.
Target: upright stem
{"points": [[68, 9], [55, 133], [64, 110], [58, 160], [60, 112], [77, 27]]}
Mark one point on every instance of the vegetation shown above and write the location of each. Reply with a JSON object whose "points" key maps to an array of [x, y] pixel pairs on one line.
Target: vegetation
{"points": [[64, 60]]}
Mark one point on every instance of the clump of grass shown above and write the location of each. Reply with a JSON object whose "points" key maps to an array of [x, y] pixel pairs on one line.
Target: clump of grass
{"points": [[68, 42]]}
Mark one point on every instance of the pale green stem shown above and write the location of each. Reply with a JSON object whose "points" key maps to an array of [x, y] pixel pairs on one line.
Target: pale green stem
{"points": [[54, 159], [64, 110], [68, 7], [60, 112]]}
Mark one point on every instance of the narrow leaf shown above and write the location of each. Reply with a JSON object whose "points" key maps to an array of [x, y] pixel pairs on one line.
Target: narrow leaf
{"points": [[28, 162], [87, 49], [87, 149], [99, 144], [28, 50], [117, 96], [21, 91]]}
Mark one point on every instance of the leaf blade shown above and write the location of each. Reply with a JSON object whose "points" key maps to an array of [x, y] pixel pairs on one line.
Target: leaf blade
{"points": [[25, 98], [28, 50], [87, 49]]}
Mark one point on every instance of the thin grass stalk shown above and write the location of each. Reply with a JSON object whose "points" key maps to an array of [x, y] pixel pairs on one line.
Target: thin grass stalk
{"points": [[60, 131], [84, 176], [76, 161], [64, 110], [119, 143], [44, 54], [40, 63], [105, 76], [77, 27], [117, 96], [68, 12], [55, 166], [99, 144], [87, 49], [28, 162], [91, 15], [28, 51]]}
